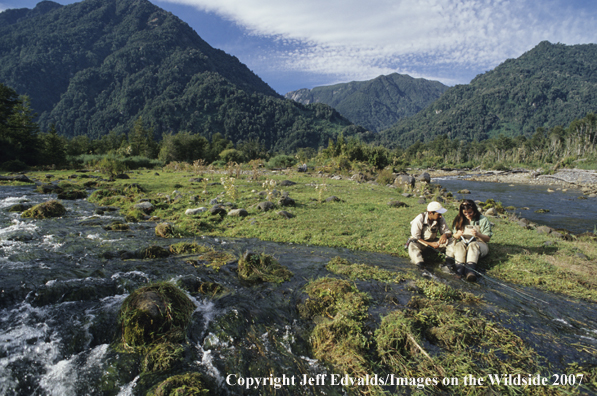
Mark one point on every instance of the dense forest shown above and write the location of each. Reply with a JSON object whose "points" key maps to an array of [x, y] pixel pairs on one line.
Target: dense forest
{"points": [[99, 65], [550, 85], [22, 144], [375, 104]]}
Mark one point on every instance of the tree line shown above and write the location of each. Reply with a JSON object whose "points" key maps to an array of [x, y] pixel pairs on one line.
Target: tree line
{"points": [[23, 144]]}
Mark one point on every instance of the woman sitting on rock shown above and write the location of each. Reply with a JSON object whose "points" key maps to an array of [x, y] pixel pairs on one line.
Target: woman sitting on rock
{"points": [[472, 232]]}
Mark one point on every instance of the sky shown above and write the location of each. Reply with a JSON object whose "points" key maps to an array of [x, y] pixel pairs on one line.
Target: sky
{"points": [[294, 44]]}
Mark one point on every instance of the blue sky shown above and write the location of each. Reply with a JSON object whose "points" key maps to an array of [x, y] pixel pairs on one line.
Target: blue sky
{"points": [[294, 44]]}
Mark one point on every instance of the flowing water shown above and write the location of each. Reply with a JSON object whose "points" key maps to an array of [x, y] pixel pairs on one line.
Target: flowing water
{"points": [[566, 210], [62, 287]]}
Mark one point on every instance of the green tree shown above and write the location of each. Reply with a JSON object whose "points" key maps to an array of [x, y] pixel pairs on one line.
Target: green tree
{"points": [[54, 147], [18, 131], [141, 140]]}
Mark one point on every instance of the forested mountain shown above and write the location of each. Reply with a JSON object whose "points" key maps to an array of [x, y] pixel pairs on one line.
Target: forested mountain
{"points": [[550, 85], [375, 104], [99, 65]]}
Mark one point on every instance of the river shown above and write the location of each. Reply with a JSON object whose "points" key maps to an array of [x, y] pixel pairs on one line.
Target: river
{"points": [[566, 210], [61, 291]]}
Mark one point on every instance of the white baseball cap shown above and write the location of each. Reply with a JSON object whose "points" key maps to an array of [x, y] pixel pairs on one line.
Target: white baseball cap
{"points": [[436, 207]]}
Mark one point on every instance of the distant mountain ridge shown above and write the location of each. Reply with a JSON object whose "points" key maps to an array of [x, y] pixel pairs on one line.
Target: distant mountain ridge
{"points": [[375, 104], [550, 85], [99, 65]]}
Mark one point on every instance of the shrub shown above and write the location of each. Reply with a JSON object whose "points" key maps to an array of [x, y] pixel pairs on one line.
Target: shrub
{"points": [[281, 161], [13, 166]]}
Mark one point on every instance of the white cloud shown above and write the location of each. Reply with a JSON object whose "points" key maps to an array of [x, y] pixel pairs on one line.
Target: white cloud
{"points": [[361, 39]]}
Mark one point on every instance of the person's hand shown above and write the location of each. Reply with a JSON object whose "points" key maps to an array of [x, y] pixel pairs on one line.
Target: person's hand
{"points": [[434, 245], [458, 234], [442, 239], [474, 233]]}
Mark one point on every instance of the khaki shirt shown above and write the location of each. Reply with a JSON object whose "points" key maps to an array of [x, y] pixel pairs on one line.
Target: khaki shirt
{"points": [[423, 228]]}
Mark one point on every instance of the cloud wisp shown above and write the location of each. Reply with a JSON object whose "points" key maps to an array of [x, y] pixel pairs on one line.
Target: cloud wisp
{"points": [[362, 39]]}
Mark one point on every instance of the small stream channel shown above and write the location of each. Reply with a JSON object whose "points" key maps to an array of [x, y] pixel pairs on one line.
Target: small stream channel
{"points": [[60, 296]]}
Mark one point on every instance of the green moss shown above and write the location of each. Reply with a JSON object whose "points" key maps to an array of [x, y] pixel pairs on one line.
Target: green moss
{"points": [[154, 252], [262, 267], [338, 338], [44, 210], [188, 247], [164, 230], [162, 357], [341, 266], [190, 384], [440, 340], [134, 216], [154, 314], [442, 292], [72, 194], [117, 226]]}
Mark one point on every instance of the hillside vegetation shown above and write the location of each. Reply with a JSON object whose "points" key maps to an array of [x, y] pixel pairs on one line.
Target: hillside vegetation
{"points": [[375, 104], [550, 85], [99, 65]]}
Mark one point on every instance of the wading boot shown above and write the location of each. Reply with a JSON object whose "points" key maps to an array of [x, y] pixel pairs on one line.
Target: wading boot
{"points": [[449, 266], [470, 269], [459, 270]]}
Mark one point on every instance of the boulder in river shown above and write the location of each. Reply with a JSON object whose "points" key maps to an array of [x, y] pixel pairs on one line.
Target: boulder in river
{"points": [[154, 314], [44, 210]]}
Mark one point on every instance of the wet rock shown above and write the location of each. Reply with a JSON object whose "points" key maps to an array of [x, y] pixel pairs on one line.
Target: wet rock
{"points": [[265, 206], [542, 211], [20, 207], [72, 194], [192, 212], [397, 204], [157, 313], [48, 189], [464, 191], [122, 176], [44, 210], [238, 213], [145, 207], [21, 178], [164, 230]]}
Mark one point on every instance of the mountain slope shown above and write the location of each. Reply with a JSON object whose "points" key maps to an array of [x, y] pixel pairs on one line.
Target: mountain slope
{"points": [[375, 104], [98, 65], [550, 85]]}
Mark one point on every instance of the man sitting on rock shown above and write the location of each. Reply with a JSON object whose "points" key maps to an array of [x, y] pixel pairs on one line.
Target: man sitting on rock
{"points": [[424, 230]]}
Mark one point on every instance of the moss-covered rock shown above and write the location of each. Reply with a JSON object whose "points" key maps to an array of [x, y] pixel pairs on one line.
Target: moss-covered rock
{"points": [[44, 210], [262, 267], [164, 230], [72, 194], [190, 384], [155, 314]]}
